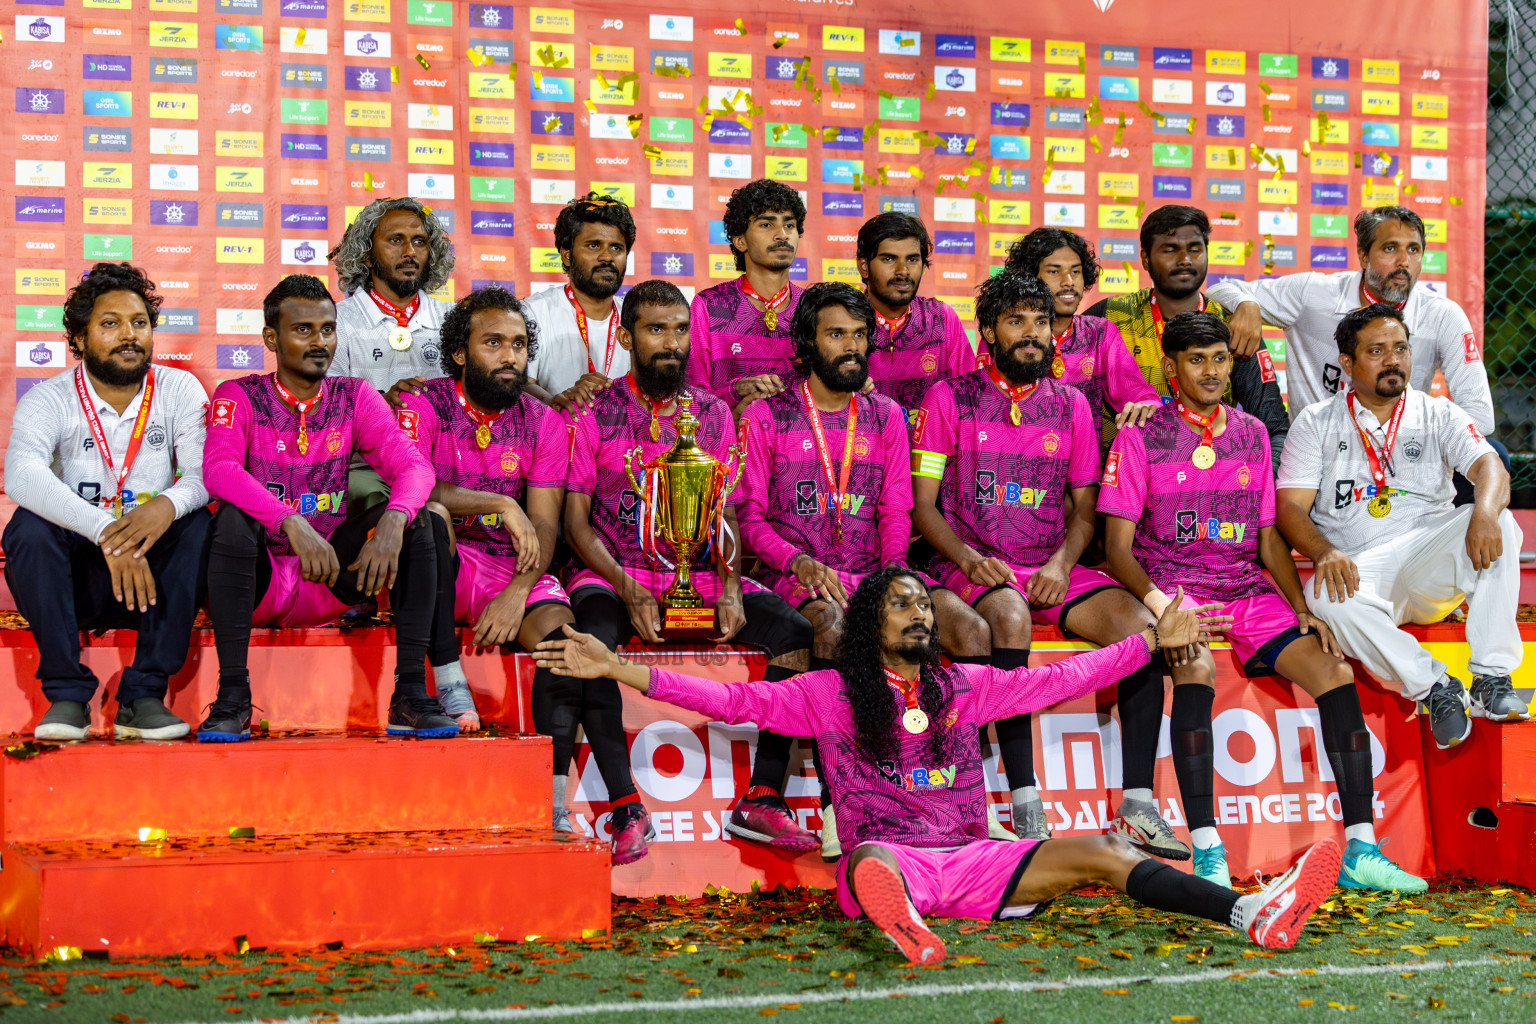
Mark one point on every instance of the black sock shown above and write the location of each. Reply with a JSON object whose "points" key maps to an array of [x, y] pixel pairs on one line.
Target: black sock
{"points": [[1162, 887], [1016, 735], [1193, 755], [821, 664], [443, 645], [1349, 751], [239, 572], [557, 711], [771, 764], [413, 602], [1139, 697], [602, 717]]}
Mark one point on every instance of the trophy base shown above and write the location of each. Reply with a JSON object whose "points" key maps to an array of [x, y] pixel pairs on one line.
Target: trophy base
{"points": [[688, 624]]}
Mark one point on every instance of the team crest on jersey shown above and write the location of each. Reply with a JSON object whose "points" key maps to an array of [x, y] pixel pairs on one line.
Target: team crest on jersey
{"points": [[410, 422], [222, 413], [930, 362], [1051, 442], [1243, 476], [509, 463], [1085, 366], [333, 442], [861, 446]]}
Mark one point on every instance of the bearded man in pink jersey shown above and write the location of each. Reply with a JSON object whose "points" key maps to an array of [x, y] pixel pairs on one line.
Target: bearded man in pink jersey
{"points": [[1005, 465], [1190, 502], [285, 550], [898, 731]]}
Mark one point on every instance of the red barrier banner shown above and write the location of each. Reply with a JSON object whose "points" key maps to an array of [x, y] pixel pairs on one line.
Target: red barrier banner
{"points": [[1275, 793], [224, 143]]}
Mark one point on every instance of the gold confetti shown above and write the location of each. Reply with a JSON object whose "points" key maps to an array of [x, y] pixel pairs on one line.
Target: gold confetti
{"points": [[242, 832], [299, 38], [939, 188], [666, 71], [432, 109], [779, 42], [884, 94], [1357, 161], [394, 73], [546, 54], [1227, 215], [1306, 147], [970, 145], [367, 187], [590, 105], [423, 62], [980, 197], [538, 78], [703, 105], [683, 71], [152, 835], [1264, 87], [915, 171], [1454, 200], [1265, 109], [1409, 190], [741, 28], [1125, 265], [1269, 268], [1093, 140], [242, 944], [1397, 179], [1082, 65], [602, 80], [1189, 126], [1142, 205], [562, 62], [512, 71], [1247, 248], [1184, 1018], [1142, 106], [928, 93], [59, 954], [652, 152], [1231, 156], [828, 134], [1435, 1002]]}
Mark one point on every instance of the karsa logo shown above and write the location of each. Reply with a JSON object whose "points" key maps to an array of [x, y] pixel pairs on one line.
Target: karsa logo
{"points": [[40, 30], [1189, 528], [991, 491]]}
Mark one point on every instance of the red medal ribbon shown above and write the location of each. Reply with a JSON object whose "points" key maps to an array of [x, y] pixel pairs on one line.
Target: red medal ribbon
{"points": [[895, 325], [481, 419], [1064, 335], [839, 486], [99, 436], [1157, 316], [586, 344], [908, 690], [1016, 393], [1378, 475], [402, 314], [302, 407], [1205, 423], [1373, 298], [655, 407], [778, 300]]}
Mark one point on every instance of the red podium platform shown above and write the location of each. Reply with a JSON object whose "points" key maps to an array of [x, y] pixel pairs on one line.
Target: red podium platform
{"points": [[1482, 802]]}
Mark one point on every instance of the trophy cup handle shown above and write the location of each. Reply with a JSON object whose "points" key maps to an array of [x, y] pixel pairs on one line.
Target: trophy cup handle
{"points": [[629, 458], [733, 475]]}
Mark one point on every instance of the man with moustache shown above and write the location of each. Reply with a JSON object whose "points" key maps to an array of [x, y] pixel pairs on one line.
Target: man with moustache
{"points": [[1005, 464], [1190, 508], [624, 567], [916, 340], [1389, 241], [105, 464], [578, 323], [1174, 241], [1366, 494], [493, 447], [288, 550], [741, 348], [1090, 353], [910, 782], [827, 489]]}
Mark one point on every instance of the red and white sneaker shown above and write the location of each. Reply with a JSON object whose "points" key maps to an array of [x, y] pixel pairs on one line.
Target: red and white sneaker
{"points": [[884, 898], [768, 820], [1274, 916]]}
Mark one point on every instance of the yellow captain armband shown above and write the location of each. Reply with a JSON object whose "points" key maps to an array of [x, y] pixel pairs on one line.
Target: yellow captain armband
{"points": [[929, 464]]}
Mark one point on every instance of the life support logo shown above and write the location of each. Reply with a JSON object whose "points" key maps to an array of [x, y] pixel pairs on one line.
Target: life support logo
{"points": [[1266, 366], [1112, 470], [916, 420], [1469, 346], [222, 413], [410, 421]]}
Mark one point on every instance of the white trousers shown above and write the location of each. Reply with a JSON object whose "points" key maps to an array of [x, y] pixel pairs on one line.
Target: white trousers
{"points": [[1421, 576]]}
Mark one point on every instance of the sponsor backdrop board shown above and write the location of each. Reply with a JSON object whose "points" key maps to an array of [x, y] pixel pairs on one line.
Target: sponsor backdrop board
{"points": [[223, 143]]}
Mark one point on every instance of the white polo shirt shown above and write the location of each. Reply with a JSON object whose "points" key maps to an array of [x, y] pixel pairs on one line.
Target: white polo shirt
{"points": [[562, 357], [362, 341], [1309, 307], [1323, 450]]}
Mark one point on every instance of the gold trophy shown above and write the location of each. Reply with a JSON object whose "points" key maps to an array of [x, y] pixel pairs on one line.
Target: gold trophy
{"points": [[684, 494]]}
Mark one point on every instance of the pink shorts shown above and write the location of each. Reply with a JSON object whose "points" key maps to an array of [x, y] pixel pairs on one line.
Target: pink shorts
{"points": [[973, 881], [482, 576], [1262, 627], [706, 581], [293, 602], [787, 586], [1081, 582]]}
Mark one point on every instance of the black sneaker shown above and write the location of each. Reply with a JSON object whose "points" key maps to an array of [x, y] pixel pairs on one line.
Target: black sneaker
{"points": [[419, 716], [148, 719], [1447, 704], [65, 720], [228, 721]]}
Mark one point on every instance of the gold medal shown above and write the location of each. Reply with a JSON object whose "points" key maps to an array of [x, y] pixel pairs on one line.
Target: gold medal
{"points": [[1379, 506], [400, 338], [655, 427], [915, 721], [1014, 415], [303, 441], [1204, 457], [1058, 367], [482, 435], [770, 320], [117, 506]]}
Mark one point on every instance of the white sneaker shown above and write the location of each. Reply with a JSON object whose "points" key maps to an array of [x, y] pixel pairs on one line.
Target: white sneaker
{"points": [[995, 829], [1273, 917], [831, 849]]}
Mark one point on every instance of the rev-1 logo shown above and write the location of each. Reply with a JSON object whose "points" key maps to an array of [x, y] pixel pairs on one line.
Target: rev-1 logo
{"points": [[628, 502], [1331, 376], [990, 492]]}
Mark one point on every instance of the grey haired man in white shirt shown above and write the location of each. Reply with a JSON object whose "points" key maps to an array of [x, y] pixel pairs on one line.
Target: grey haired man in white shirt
{"points": [[1365, 491], [111, 530]]}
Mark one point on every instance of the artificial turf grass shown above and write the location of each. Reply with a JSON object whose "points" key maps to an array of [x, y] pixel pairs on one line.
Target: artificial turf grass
{"points": [[788, 946]]}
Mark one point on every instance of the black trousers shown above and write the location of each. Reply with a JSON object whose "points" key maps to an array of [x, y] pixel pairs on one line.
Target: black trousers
{"points": [[62, 585], [239, 572]]}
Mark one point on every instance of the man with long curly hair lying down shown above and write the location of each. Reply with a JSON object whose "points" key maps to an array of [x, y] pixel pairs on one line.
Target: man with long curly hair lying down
{"points": [[897, 730]]}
